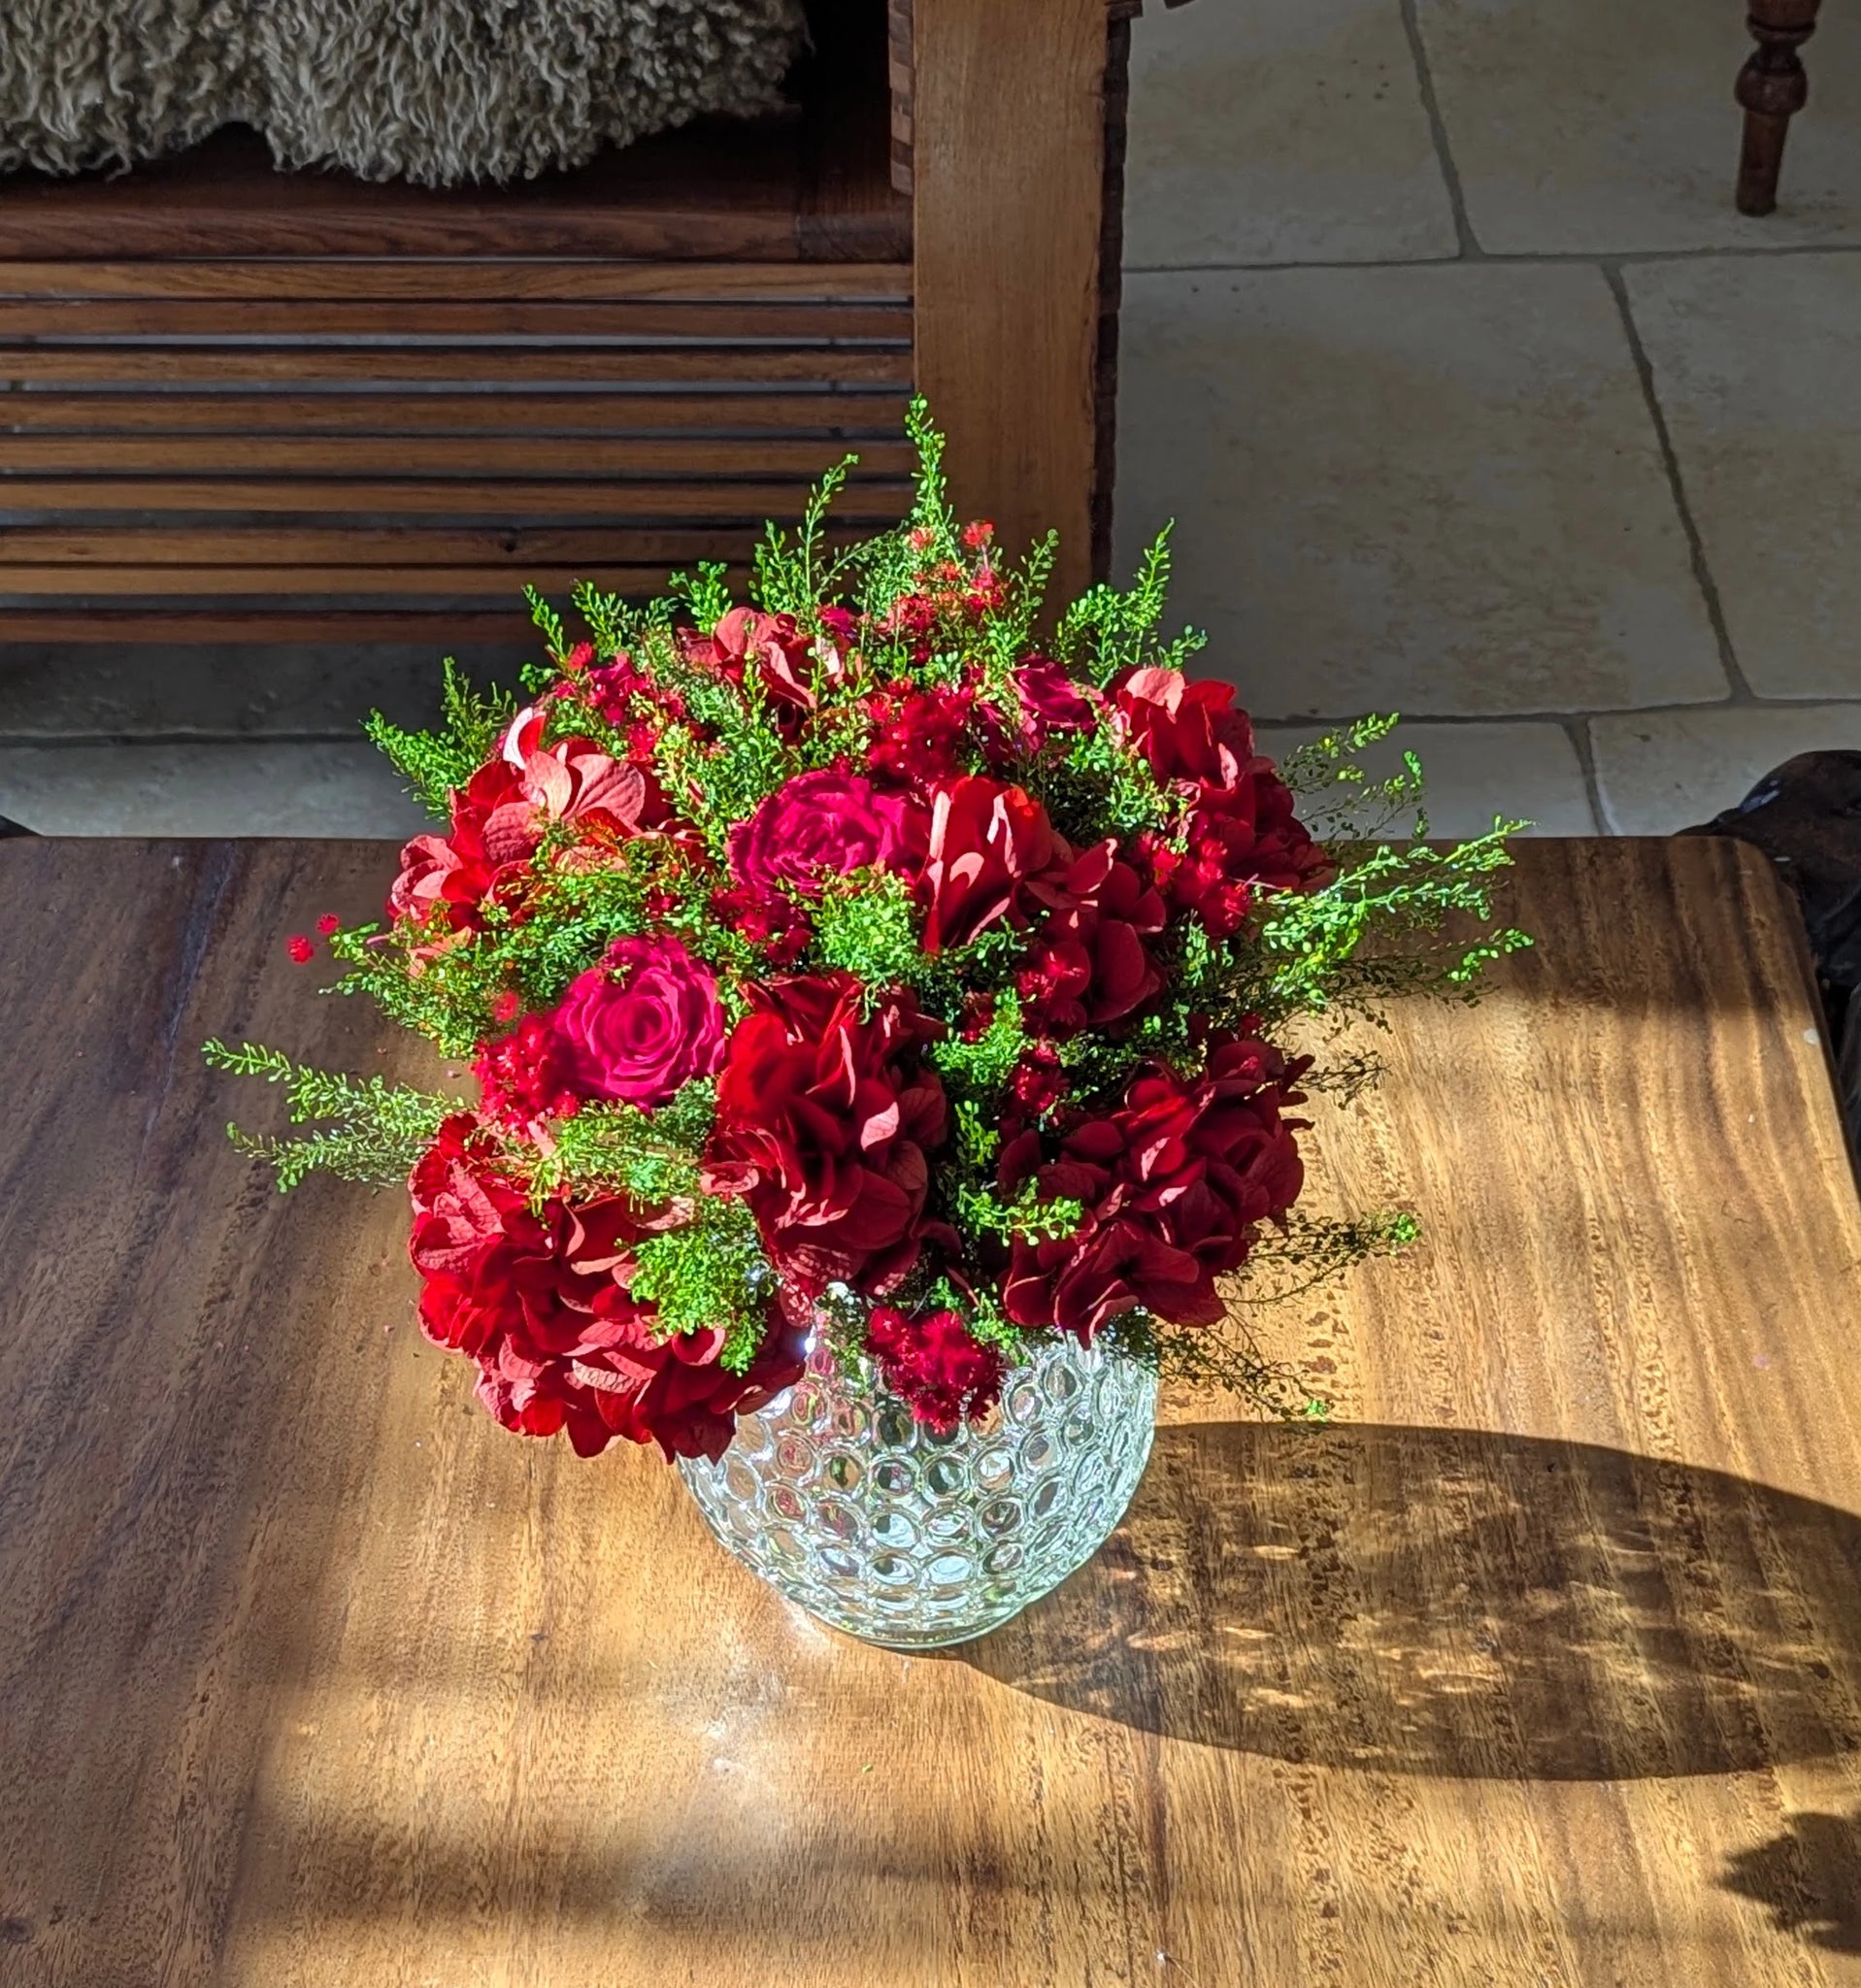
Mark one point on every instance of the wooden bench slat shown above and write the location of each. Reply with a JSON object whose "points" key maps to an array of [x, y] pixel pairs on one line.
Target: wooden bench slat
{"points": [[619, 365], [219, 582], [457, 278], [880, 500], [442, 626], [385, 413], [581, 455], [810, 187], [516, 552], [443, 317]]}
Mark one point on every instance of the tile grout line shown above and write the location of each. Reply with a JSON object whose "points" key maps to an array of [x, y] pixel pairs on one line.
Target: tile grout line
{"points": [[1470, 249], [1741, 690], [1577, 731], [1415, 719], [1524, 258]]}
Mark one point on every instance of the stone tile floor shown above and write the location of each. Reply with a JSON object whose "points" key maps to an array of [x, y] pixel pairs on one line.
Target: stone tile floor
{"points": [[1477, 400], [1474, 397]]}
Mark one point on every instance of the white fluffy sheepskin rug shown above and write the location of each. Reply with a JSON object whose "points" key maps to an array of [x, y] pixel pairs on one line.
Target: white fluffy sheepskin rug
{"points": [[437, 91]]}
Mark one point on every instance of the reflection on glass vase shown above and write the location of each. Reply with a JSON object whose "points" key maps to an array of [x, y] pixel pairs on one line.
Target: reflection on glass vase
{"points": [[884, 1527]]}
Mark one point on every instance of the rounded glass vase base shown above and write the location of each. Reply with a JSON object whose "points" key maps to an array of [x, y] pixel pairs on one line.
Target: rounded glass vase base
{"points": [[880, 1527]]}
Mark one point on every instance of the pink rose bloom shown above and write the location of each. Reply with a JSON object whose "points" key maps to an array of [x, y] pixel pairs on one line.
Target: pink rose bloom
{"points": [[827, 824], [642, 1024]]}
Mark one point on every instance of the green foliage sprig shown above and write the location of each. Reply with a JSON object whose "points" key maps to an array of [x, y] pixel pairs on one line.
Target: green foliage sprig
{"points": [[434, 763], [377, 1131], [710, 1275]]}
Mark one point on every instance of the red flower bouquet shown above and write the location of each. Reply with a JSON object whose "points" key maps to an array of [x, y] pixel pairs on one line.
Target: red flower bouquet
{"points": [[880, 958]]}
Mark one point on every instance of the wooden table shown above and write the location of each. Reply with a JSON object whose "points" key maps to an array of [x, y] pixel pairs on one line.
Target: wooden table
{"points": [[1541, 1666]]}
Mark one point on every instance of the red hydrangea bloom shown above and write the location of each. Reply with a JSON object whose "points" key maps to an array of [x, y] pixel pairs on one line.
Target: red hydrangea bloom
{"points": [[538, 1302], [1175, 1184], [935, 1367], [1089, 966], [611, 688], [1242, 834], [916, 733], [766, 918], [989, 843], [823, 1123], [524, 1076], [826, 824], [1037, 1082], [642, 1024]]}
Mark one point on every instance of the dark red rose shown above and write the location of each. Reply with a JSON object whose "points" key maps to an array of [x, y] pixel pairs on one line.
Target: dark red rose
{"points": [[642, 1024], [935, 1367], [989, 843], [1176, 1183], [823, 1123], [1089, 965], [537, 1299], [826, 824]]}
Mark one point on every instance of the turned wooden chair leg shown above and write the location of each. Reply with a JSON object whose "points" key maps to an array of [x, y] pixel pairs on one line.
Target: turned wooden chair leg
{"points": [[1771, 88]]}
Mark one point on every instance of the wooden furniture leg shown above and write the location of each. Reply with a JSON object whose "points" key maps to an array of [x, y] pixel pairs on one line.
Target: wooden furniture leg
{"points": [[1771, 87], [1008, 170]]}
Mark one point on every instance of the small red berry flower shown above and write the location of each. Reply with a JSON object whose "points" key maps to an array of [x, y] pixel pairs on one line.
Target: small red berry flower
{"points": [[300, 948], [504, 1005], [328, 923]]}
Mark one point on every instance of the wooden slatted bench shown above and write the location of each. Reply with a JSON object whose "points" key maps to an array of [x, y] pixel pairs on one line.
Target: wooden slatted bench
{"points": [[236, 404]]}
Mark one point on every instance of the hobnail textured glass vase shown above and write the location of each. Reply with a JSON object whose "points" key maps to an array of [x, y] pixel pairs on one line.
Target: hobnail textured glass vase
{"points": [[877, 1524]]}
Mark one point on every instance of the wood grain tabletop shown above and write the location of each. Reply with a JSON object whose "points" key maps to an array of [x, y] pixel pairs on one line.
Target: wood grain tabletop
{"points": [[1540, 1665]]}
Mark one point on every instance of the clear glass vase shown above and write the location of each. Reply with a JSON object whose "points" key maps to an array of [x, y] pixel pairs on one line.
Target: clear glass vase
{"points": [[879, 1526]]}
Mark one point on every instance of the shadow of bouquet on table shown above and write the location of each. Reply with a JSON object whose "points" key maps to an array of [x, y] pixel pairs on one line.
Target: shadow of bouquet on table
{"points": [[1449, 1601]]}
